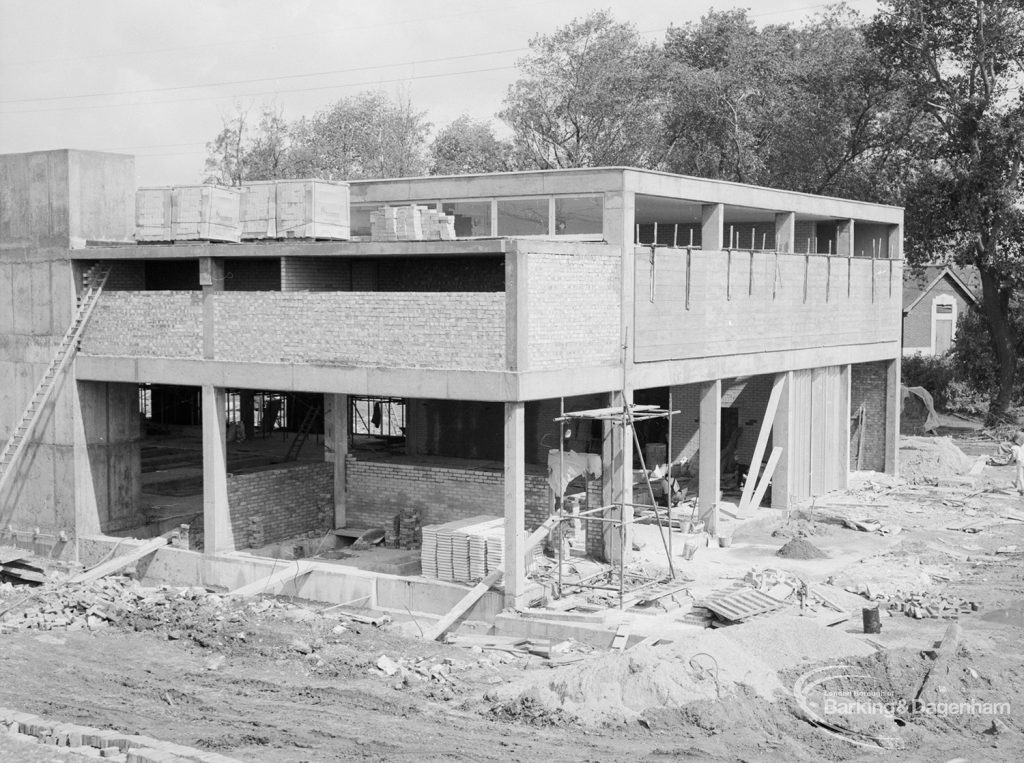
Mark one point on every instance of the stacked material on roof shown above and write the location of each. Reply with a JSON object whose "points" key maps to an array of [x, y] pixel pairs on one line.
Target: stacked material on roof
{"points": [[465, 550], [270, 209], [188, 213], [413, 222]]}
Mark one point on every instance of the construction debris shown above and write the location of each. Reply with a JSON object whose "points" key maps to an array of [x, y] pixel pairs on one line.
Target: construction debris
{"points": [[801, 548]]}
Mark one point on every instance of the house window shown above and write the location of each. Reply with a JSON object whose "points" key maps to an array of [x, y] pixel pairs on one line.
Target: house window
{"points": [[943, 323]]}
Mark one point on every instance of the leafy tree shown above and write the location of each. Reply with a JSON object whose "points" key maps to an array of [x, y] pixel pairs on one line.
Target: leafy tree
{"points": [[588, 95], [225, 160], [964, 60], [368, 135], [806, 108], [243, 152], [467, 146]]}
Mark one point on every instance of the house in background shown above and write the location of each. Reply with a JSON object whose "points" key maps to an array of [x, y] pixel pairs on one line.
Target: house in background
{"points": [[934, 298]]}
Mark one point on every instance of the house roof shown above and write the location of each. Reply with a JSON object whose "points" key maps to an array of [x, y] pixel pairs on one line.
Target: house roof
{"points": [[917, 282]]}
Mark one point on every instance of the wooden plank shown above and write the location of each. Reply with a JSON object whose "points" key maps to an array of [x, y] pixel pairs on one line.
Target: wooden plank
{"points": [[120, 562], [762, 441], [466, 602], [769, 470], [269, 583], [621, 637]]}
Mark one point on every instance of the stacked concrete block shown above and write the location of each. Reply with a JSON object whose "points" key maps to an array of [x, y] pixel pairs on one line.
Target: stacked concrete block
{"points": [[313, 209], [411, 223], [188, 213], [259, 209]]}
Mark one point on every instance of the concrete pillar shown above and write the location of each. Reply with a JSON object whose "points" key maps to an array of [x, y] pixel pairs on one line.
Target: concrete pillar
{"points": [[892, 417], [211, 278], [712, 227], [617, 481], [336, 450], [785, 231], [782, 436], [894, 243], [843, 425], [710, 468], [515, 504], [217, 534], [844, 238]]}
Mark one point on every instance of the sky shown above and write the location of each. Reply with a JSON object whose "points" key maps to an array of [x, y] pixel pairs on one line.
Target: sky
{"points": [[158, 79]]}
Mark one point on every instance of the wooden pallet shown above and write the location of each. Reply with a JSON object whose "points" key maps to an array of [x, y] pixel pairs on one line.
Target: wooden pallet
{"points": [[741, 604]]}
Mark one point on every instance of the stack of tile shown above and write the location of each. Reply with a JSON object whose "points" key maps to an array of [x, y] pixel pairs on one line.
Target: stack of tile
{"points": [[411, 223], [428, 551]]}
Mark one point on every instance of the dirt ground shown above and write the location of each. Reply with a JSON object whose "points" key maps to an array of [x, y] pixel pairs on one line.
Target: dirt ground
{"points": [[272, 680]]}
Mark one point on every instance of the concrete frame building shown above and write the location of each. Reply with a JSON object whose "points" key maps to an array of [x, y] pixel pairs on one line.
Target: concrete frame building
{"points": [[575, 288]]}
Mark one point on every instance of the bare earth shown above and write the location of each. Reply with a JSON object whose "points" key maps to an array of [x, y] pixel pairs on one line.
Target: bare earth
{"points": [[245, 686]]}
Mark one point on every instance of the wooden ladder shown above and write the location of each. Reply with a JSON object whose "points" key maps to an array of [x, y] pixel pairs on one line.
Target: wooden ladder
{"points": [[304, 429], [94, 281]]}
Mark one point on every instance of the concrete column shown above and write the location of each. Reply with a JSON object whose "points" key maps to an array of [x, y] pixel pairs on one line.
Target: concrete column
{"points": [[617, 480], [217, 534], [844, 238], [843, 424], [785, 231], [892, 417], [710, 468], [712, 227], [782, 436], [894, 243], [336, 450], [515, 504], [211, 278]]}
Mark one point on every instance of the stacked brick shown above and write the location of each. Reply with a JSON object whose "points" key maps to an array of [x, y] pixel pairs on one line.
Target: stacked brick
{"points": [[411, 223], [102, 743], [410, 532]]}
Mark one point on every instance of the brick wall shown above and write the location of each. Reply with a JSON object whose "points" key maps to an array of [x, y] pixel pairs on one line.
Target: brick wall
{"points": [[442, 489], [748, 395], [486, 273], [573, 307], [126, 276], [285, 503], [252, 275], [868, 386], [164, 324], [805, 231], [316, 274], [407, 329]]}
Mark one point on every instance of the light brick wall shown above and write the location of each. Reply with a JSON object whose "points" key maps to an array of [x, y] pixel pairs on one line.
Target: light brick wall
{"points": [[749, 395], [404, 329], [868, 386], [573, 308], [443, 491], [165, 324], [287, 502]]}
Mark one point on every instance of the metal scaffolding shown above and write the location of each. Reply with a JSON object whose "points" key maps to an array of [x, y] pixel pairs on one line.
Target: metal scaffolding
{"points": [[614, 513]]}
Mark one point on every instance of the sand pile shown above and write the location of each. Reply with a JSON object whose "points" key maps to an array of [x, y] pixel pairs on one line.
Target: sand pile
{"points": [[931, 457], [619, 687], [801, 548], [786, 640]]}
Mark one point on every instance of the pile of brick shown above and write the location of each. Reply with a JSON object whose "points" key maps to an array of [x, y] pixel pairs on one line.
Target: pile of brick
{"points": [[111, 600], [922, 606], [102, 743], [410, 532], [411, 223]]}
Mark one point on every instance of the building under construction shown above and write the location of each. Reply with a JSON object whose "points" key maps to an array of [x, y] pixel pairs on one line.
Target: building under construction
{"points": [[427, 375]]}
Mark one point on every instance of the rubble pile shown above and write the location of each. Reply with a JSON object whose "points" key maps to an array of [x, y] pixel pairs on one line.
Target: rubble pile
{"points": [[922, 605]]}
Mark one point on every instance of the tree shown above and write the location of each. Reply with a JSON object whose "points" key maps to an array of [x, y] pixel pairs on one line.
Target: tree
{"points": [[467, 146], [806, 108], [225, 160], [588, 95], [964, 59], [367, 135]]}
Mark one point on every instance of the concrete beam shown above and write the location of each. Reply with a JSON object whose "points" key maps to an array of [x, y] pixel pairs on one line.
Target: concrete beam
{"points": [[845, 237], [712, 227], [217, 534], [893, 403], [515, 504], [785, 231], [264, 249], [783, 434], [710, 470], [336, 450]]}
